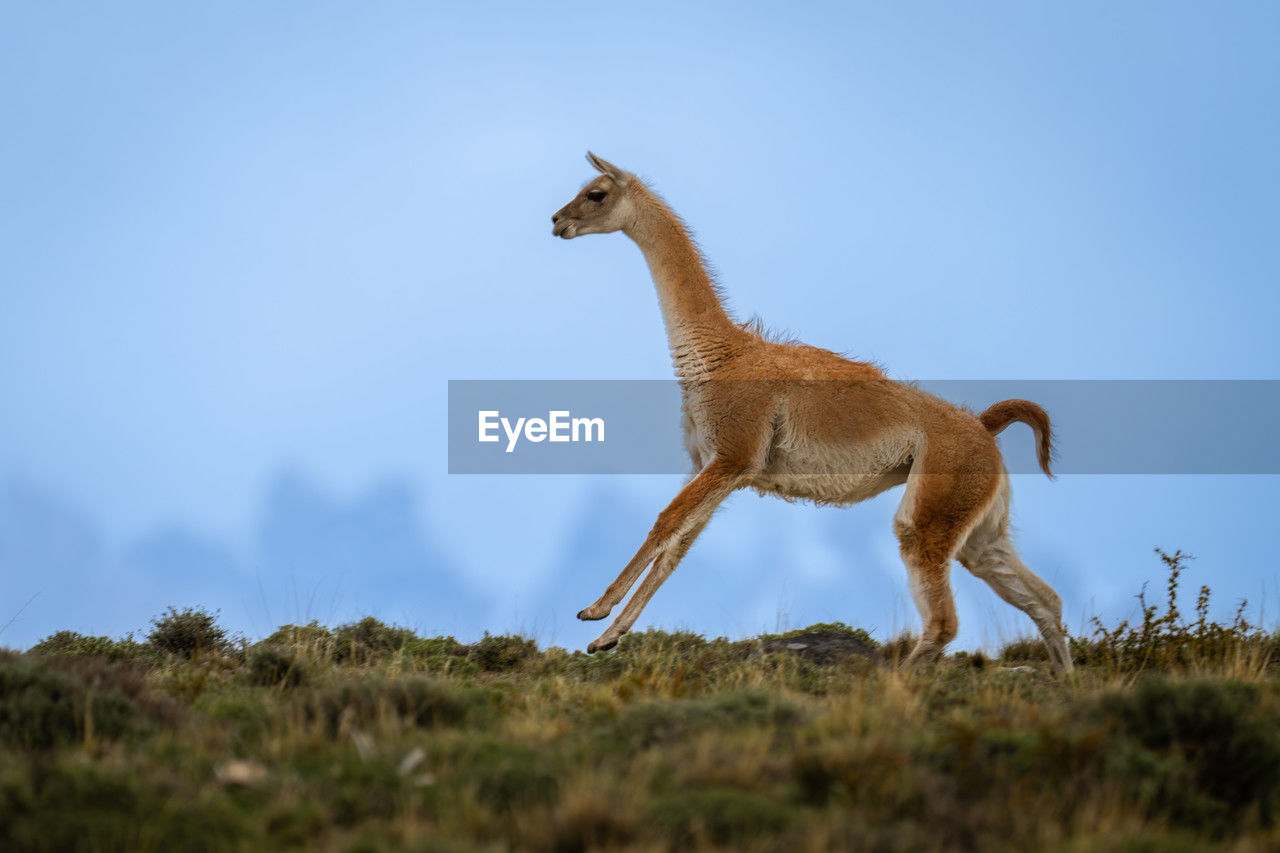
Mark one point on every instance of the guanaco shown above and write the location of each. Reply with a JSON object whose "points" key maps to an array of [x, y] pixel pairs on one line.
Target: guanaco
{"points": [[804, 423]]}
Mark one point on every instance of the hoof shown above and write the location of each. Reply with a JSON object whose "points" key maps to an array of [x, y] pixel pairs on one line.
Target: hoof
{"points": [[586, 616], [597, 646]]}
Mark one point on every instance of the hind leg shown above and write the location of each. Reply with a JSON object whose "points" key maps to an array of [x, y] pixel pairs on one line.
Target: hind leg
{"points": [[948, 492], [989, 554], [926, 549], [931, 589]]}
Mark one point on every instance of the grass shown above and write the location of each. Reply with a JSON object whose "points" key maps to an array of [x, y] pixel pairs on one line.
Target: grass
{"points": [[370, 737]]}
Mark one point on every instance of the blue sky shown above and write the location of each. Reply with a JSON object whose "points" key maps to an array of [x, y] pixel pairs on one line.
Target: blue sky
{"points": [[242, 251]]}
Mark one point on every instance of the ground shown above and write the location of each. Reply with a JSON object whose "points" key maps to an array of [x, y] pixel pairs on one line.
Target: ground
{"points": [[369, 737]]}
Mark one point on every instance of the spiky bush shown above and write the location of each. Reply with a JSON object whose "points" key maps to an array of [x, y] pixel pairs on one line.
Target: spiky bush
{"points": [[1168, 640], [189, 632]]}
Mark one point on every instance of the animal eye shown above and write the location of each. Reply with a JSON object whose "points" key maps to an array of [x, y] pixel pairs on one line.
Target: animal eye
{"points": [[596, 195]]}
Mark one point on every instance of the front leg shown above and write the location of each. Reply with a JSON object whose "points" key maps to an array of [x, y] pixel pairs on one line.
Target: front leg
{"points": [[662, 569], [676, 528], [618, 589]]}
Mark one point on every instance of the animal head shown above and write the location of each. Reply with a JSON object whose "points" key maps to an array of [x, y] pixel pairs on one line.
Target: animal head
{"points": [[604, 205]]}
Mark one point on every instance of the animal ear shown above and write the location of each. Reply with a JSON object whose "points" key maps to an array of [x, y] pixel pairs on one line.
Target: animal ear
{"points": [[604, 167]]}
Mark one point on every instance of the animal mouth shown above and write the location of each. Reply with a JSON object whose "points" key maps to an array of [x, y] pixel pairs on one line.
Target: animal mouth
{"points": [[564, 229]]}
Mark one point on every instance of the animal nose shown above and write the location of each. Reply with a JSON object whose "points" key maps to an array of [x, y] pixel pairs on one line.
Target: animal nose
{"points": [[555, 217]]}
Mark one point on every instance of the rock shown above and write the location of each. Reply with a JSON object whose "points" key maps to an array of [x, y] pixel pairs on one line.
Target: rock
{"points": [[412, 759], [821, 646], [240, 773]]}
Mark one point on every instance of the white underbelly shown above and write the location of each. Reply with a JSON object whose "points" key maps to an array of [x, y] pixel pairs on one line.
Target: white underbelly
{"points": [[828, 488], [842, 474]]}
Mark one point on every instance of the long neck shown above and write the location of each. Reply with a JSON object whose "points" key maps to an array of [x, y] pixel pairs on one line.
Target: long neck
{"points": [[699, 330]]}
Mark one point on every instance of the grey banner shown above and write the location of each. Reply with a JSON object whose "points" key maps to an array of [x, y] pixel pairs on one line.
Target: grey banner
{"points": [[1100, 426]]}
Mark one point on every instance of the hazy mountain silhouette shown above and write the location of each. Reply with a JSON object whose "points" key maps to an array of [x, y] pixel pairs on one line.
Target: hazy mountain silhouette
{"points": [[761, 564], [52, 561], [313, 556], [174, 566], [365, 556]]}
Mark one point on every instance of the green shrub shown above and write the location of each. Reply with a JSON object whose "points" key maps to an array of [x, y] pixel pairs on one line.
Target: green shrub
{"points": [[1215, 740], [361, 788], [296, 823], [508, 776], [966, 755], [367, 641], [824, 628], [655, 642], [67, 807], [691, 655], [275, 666], [73, 644], [645, 724], [721, 816], [441, 655], [41, 706], [189, 632], [312, 640], [38, 706], [69, 803], [499, 653], [412, 700], [1024, 649], [879, 773], [242, 714]]}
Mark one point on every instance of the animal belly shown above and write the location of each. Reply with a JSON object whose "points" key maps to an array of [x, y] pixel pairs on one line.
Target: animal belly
{"points": [[845, 472], [829, 488]]}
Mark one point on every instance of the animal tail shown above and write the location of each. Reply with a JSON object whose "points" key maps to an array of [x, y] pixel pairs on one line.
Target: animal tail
{"points": [[999, 416]]}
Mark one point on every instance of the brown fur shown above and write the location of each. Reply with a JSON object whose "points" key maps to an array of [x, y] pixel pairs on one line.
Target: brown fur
{"points": [[1006, 412], [804, 423]]}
